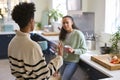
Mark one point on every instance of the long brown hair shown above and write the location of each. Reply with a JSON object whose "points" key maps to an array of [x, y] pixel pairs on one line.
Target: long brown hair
{"points": [[63, 32]]}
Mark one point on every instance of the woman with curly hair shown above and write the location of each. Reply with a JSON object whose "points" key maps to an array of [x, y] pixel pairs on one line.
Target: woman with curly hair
{"points": [[27, 61]]}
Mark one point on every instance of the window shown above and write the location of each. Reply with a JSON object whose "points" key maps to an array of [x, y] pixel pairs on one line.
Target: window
{"points": [[7, 5], [61, 5], [112, 15], [3, 8]]}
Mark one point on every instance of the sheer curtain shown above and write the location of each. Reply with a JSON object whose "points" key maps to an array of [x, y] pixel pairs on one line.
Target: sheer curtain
{"points": [[112, 15], [60, 5]]}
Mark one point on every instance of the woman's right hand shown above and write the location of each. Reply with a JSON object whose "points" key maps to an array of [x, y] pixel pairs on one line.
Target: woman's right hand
{"points": [[60, 49]]}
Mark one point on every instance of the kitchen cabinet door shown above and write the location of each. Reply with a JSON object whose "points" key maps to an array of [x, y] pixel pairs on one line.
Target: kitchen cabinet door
{"points": [[4, 41], [92, 72]]}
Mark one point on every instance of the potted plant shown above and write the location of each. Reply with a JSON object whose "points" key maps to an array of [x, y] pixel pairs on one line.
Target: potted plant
{"points": [[115, 41], [54, 14], [38, 25]]}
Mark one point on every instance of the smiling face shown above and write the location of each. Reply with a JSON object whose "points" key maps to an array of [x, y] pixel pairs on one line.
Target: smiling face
{"points": [[67, 24]]}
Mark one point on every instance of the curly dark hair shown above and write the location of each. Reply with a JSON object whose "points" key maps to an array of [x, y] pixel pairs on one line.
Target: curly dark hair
{"points": [[23, 13], [63, 32]]}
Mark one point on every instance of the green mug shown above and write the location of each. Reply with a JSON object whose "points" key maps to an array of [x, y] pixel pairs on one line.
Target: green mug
{"points": [[43, 44]]}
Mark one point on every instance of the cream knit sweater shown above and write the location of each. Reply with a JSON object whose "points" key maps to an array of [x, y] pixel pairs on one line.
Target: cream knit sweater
{"points": [[27, 60]]}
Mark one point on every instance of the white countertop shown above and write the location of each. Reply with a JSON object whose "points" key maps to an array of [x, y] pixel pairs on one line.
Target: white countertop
{"points": [[114, 75], [53, 39], [2, 33], [49, 38]]}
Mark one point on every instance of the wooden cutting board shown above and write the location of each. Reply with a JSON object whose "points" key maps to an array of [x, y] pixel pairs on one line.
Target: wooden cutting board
{"points": [[50, 33], [104, 60]]}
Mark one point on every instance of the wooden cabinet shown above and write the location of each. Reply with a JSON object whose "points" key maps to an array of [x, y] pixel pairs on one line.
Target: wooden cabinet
{"points": [[4, 41], [93, 73]]}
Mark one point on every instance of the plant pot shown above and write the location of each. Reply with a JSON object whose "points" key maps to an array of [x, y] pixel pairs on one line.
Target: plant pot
{"points": [[105, 50]]}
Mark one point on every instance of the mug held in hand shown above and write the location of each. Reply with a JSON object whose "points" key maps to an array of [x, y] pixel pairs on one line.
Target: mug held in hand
{"points": [[66, 48], [43, 44]]}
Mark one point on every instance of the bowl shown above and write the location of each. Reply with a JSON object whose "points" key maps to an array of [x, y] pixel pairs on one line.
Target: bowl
{"points": [[105, 50]]}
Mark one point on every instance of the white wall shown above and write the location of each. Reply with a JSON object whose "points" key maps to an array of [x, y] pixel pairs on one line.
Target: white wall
{"points": [[98, 6], [41, 6], [85, 5]]}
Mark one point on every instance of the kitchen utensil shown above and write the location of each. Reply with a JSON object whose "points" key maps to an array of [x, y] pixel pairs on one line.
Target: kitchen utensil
{"points": [[91, 42]]}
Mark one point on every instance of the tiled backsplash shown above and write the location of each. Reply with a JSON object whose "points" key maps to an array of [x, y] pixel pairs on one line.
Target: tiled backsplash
{"points": [[85, 21], [101, 39]]}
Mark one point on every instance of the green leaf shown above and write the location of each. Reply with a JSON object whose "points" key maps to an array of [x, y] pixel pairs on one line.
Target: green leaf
{"points": [[55, 14]]}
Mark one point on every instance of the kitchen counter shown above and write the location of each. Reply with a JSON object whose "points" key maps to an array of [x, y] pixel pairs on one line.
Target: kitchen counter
{"points": [[114, 75], [53, 39], [2, 33]]}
